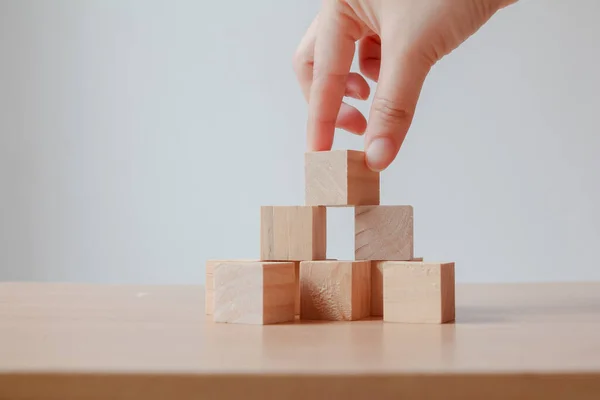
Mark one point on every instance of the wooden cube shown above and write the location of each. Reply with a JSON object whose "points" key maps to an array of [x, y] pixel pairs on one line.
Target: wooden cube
{"points": [[418, 292], [294, 233], [297, 288], [383, 233], [254, 293], [297, 271], [377, 286], [209, 285], [335, 290], [339, 178]]}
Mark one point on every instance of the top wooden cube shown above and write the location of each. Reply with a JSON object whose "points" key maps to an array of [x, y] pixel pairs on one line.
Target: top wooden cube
{"points": [[339, 178]]}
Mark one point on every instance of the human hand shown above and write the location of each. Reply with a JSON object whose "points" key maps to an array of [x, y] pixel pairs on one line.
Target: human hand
{"points": [[398, 43]]}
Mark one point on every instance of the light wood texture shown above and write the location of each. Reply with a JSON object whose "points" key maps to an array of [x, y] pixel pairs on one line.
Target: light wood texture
{"points": [[255, 293], [377, 286], [383, 233], [339, 178], [297, 287], [418, 292], [297, 270], [209, 298], [517, 341], [335, 290], [293, 233]]}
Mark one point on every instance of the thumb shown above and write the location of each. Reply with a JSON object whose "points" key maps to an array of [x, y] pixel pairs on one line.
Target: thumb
{"points": [[401, 78]]}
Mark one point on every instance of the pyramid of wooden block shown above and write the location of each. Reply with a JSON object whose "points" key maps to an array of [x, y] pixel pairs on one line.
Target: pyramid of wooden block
{"points": [[293, 276], [254, 293]]}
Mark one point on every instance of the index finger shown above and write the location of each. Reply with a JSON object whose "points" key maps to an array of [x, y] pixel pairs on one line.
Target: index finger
{"points": [[334, 51]]}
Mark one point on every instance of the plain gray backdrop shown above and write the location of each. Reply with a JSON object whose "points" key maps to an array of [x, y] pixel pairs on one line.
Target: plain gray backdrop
{"points": [[139, 138]]}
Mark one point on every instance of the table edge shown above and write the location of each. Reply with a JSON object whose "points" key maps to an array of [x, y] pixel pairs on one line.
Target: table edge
{"points": [[460, 385]]}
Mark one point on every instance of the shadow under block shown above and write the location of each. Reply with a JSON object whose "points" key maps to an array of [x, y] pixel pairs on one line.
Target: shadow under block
{"points": [[294, 233], [255, 293], [418, 292], [335, 290], [383, 233], [339, 178]]}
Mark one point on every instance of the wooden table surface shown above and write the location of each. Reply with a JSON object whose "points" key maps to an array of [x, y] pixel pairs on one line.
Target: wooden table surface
{"points": [[67, 341]]}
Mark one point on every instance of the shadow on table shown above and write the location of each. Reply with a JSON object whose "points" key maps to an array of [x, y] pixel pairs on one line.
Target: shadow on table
{"points": [[582, 310]]}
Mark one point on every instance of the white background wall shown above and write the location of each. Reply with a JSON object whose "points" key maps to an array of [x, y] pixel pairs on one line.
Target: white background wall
{"points": [[139, 138]]}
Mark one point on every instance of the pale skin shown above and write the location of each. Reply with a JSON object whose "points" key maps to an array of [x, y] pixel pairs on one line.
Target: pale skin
{"points": [[398, 43]]}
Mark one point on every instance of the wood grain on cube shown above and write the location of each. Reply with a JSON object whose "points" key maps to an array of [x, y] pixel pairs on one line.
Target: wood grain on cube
{"points": [[209, 285], [335, 290], [363, 183], [293, 233], [339, 178], [297, 271], [254, 293], [383, 233], [297, 287], [326, 178], [418, 292], [377, 286]]}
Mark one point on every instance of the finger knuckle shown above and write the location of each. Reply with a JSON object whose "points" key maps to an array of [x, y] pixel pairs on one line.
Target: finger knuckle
{"points": [[324, 77], [389, 111], [297, 60], [300, 60], [325, 119]]}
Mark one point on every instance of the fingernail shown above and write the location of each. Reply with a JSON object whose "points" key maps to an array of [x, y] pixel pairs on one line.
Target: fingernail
{"points": [[379, 153]]}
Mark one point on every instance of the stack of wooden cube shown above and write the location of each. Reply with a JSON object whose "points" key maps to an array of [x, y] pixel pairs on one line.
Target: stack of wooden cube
{"points": [[294, 278]]}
